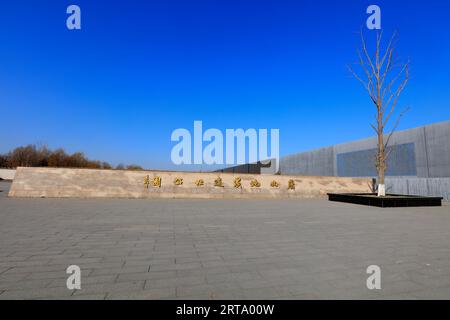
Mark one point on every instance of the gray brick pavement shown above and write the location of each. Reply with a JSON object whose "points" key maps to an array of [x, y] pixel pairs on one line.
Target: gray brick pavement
{"points": [[220, 249]]}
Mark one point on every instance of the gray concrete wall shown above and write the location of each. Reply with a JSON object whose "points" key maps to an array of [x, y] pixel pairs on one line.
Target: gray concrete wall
{"points": [[439, 187], [419, 152], [438, 146], [315, 163]]}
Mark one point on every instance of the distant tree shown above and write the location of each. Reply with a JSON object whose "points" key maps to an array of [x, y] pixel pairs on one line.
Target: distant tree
{"points": [[43, 155], [76, 160], [4, 162], [384, 78], [134, 167], [31, 156], [57, 158], [94, 165], [24, 157], [120, 166], [106, 165]]}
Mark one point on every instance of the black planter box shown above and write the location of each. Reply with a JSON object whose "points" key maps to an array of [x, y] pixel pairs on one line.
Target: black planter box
{"points": [[389, 201]]}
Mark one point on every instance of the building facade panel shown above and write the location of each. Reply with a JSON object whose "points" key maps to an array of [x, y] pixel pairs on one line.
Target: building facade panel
{"points": [[421, 152]]}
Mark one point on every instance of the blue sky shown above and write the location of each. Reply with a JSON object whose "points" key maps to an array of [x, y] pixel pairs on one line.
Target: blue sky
{"points": [[140, 69]]}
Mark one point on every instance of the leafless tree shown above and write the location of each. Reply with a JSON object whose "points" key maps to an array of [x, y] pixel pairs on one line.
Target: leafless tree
{"points": [[384, 78], [32, 156]]}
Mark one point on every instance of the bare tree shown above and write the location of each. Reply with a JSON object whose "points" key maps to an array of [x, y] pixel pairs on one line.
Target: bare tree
{"points": [[384, 78]]}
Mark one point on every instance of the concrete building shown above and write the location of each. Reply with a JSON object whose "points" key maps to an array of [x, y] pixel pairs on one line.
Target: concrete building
{"points": [[422, 152]]}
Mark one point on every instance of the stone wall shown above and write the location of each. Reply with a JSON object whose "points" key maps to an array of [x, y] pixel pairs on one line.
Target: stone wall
{"points": [[90, 183]]}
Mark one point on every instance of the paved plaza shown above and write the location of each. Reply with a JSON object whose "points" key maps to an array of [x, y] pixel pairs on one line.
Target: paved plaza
{"points": [[220, 249]]}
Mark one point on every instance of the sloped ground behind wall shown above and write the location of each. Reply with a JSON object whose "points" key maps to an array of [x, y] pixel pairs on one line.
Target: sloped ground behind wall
{"points": [[7, 174]]}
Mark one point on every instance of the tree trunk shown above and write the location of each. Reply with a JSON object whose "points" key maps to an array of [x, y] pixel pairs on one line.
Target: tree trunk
{"points": [[381, 159]]}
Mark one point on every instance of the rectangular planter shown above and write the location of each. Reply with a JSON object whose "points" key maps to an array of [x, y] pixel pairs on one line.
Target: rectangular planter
{"points": [[390, 201]]}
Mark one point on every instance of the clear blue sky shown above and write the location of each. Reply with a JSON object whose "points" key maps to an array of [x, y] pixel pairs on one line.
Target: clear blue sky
{"points": [[140, 69]]}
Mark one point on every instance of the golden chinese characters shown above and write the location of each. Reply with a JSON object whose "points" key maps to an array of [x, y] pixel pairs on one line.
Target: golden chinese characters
{"points": [[147, 181], [178, 181], [255, 183], [199, 182], [275, 184], [291, 185], [218, 182], [157, 182]]}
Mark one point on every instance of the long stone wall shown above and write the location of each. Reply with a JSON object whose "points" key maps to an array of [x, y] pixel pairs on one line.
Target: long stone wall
{"points": [[90, 183]]}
